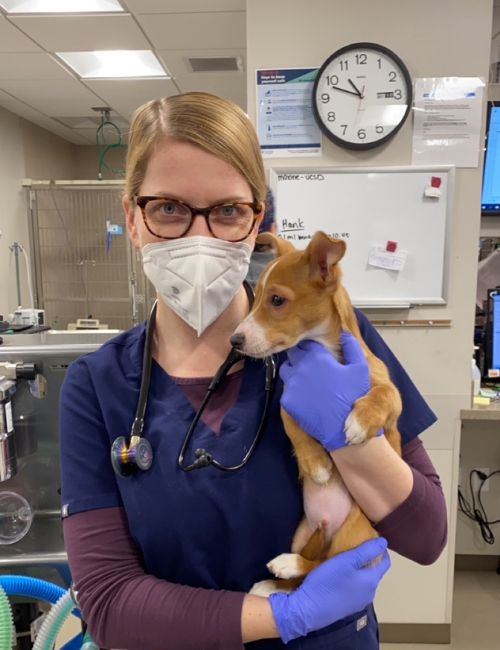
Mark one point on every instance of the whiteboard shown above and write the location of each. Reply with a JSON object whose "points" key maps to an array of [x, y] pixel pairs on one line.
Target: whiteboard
{"points": [[369, 207]]}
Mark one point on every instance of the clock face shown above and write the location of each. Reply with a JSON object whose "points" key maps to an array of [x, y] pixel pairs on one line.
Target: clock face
{"points": [[362, 96]]}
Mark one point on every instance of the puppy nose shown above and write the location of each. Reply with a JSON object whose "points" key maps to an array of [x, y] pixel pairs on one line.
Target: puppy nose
{"points": [[237, 341]]}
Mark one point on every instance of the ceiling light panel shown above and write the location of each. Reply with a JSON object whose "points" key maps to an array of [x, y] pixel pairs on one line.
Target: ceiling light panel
{"points": [[114, 64], [83, 33], [60, 6]]}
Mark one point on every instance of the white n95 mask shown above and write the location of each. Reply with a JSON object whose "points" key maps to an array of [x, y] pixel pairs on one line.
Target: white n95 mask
{"points": [[197, 277]]}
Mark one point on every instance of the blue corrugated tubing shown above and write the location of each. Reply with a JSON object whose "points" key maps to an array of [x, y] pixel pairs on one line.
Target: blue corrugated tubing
{"points": [[34, 588]]}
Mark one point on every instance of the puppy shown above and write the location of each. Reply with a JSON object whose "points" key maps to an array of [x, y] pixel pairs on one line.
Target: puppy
{"points": [[300, 296]]}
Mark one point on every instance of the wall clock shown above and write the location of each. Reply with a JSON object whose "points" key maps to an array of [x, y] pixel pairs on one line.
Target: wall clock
{"points": [[362, 96]]}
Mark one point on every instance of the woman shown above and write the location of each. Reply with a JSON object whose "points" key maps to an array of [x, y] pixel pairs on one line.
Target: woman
{"points": [[164, 557]]}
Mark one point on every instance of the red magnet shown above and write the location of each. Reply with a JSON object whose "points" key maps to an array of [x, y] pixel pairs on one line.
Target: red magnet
{"points": [[435, 181], [391, 246]]}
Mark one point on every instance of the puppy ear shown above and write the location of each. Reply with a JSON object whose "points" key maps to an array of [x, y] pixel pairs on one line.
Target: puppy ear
{"points": [[281, 246], [323, 254]]}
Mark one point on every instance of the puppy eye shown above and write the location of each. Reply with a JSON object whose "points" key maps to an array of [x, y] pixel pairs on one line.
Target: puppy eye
{"points": [[277, 301]]}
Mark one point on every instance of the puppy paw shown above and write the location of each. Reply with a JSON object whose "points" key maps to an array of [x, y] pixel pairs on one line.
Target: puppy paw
{"points": [[285, 566], [321, 475], [265, 588], [319, 472], [354, 432]]}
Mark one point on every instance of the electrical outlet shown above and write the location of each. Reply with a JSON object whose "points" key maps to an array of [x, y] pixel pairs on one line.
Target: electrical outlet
{"points": [[476, 481]]}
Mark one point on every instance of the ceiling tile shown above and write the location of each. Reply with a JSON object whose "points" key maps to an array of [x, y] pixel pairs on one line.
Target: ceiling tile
{"points": [[90, 137], [29, 113], [5, 96], [87, 135], [124, 96], [83, 33], [177, 63], [12, 40], [230, 88], [184, 6], [207, 30], [48, 90], [31, 66], [91, 122], [69, 107]]}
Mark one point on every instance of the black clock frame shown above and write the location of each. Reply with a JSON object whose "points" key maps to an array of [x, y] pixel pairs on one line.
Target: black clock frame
{"points": [[409, 89]]}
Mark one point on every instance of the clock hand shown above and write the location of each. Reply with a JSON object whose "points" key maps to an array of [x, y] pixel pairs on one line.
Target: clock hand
{"points": [[343, 90], [356, 89]]}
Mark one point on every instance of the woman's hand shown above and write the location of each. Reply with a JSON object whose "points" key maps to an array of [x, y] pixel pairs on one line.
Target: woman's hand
{"points": [[339, 587], [320, 392]]}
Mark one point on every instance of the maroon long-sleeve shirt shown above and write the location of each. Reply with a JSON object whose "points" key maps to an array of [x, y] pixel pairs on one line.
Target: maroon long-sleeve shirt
{"points": [[126, 608], [129, 609]]}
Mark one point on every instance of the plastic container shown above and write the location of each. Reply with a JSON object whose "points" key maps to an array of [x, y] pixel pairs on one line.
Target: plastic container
{"points": [[15, 517]]}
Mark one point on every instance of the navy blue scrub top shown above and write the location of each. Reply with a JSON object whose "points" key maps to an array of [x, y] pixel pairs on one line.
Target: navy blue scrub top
{"points": [[204, 528]]}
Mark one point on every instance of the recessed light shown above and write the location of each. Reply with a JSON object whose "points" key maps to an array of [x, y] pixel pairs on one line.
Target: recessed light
{"points": [[60, 6], [114, 64]]}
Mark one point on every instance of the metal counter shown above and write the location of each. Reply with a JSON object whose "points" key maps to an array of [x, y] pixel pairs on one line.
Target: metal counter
{"points": [[41, 552]]}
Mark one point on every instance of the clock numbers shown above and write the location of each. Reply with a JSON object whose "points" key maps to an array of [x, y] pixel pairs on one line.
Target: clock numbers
{"points": [[333, 80], [362, 95]]}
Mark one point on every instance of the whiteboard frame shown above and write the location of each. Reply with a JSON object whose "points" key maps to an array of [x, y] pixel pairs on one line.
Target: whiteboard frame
{"points": [[449, 170]]}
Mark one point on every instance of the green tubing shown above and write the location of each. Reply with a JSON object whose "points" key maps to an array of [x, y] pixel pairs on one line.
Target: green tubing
{"points": [[6, 622], [102, 154], [53, 622]]}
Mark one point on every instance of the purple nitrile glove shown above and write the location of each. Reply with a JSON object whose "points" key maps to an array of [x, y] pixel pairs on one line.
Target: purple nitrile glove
{"points": [[320, 391], [337, 588]]}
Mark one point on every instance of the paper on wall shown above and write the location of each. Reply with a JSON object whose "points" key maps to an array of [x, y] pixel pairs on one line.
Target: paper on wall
{"points": [[447, 124], [385, 260]]}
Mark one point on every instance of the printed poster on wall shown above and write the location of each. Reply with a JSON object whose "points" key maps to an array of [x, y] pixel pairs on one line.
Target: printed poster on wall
{"points": [[285, 120], [447, 125]]}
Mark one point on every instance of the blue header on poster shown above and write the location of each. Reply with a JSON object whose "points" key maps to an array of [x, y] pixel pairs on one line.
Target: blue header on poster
{"points": [[275, 77]]}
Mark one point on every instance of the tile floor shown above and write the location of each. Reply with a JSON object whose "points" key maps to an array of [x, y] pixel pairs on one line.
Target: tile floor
{"points": [[476, 616]]}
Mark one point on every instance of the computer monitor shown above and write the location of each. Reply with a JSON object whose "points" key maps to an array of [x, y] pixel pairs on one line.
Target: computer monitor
{"points": [[490, 198], [491, 368]]}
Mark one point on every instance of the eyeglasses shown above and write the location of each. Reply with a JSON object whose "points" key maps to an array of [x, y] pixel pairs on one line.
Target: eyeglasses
{"points": [[169, 219]]}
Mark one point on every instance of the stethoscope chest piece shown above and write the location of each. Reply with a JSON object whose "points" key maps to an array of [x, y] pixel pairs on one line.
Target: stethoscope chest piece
{"points": [[125, 459]]}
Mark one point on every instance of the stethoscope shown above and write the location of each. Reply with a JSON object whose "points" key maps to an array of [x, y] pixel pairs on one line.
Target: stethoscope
{"points": [[133, 453]]}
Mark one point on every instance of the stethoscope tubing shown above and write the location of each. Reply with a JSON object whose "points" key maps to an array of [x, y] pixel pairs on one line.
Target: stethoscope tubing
{"points": [[136, 452]]}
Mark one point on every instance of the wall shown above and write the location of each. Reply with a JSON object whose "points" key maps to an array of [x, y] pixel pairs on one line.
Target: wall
{"points": [[480, 444], [87, 163], [429, 36], [13, 224], [480, 448], [46, 155]]}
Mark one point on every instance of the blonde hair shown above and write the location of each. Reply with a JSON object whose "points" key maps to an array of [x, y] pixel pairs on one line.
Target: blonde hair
{"points": [[215, 124]]}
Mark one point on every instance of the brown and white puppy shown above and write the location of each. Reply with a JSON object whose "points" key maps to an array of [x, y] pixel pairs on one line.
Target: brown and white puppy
{"points": [[300, 296]]}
